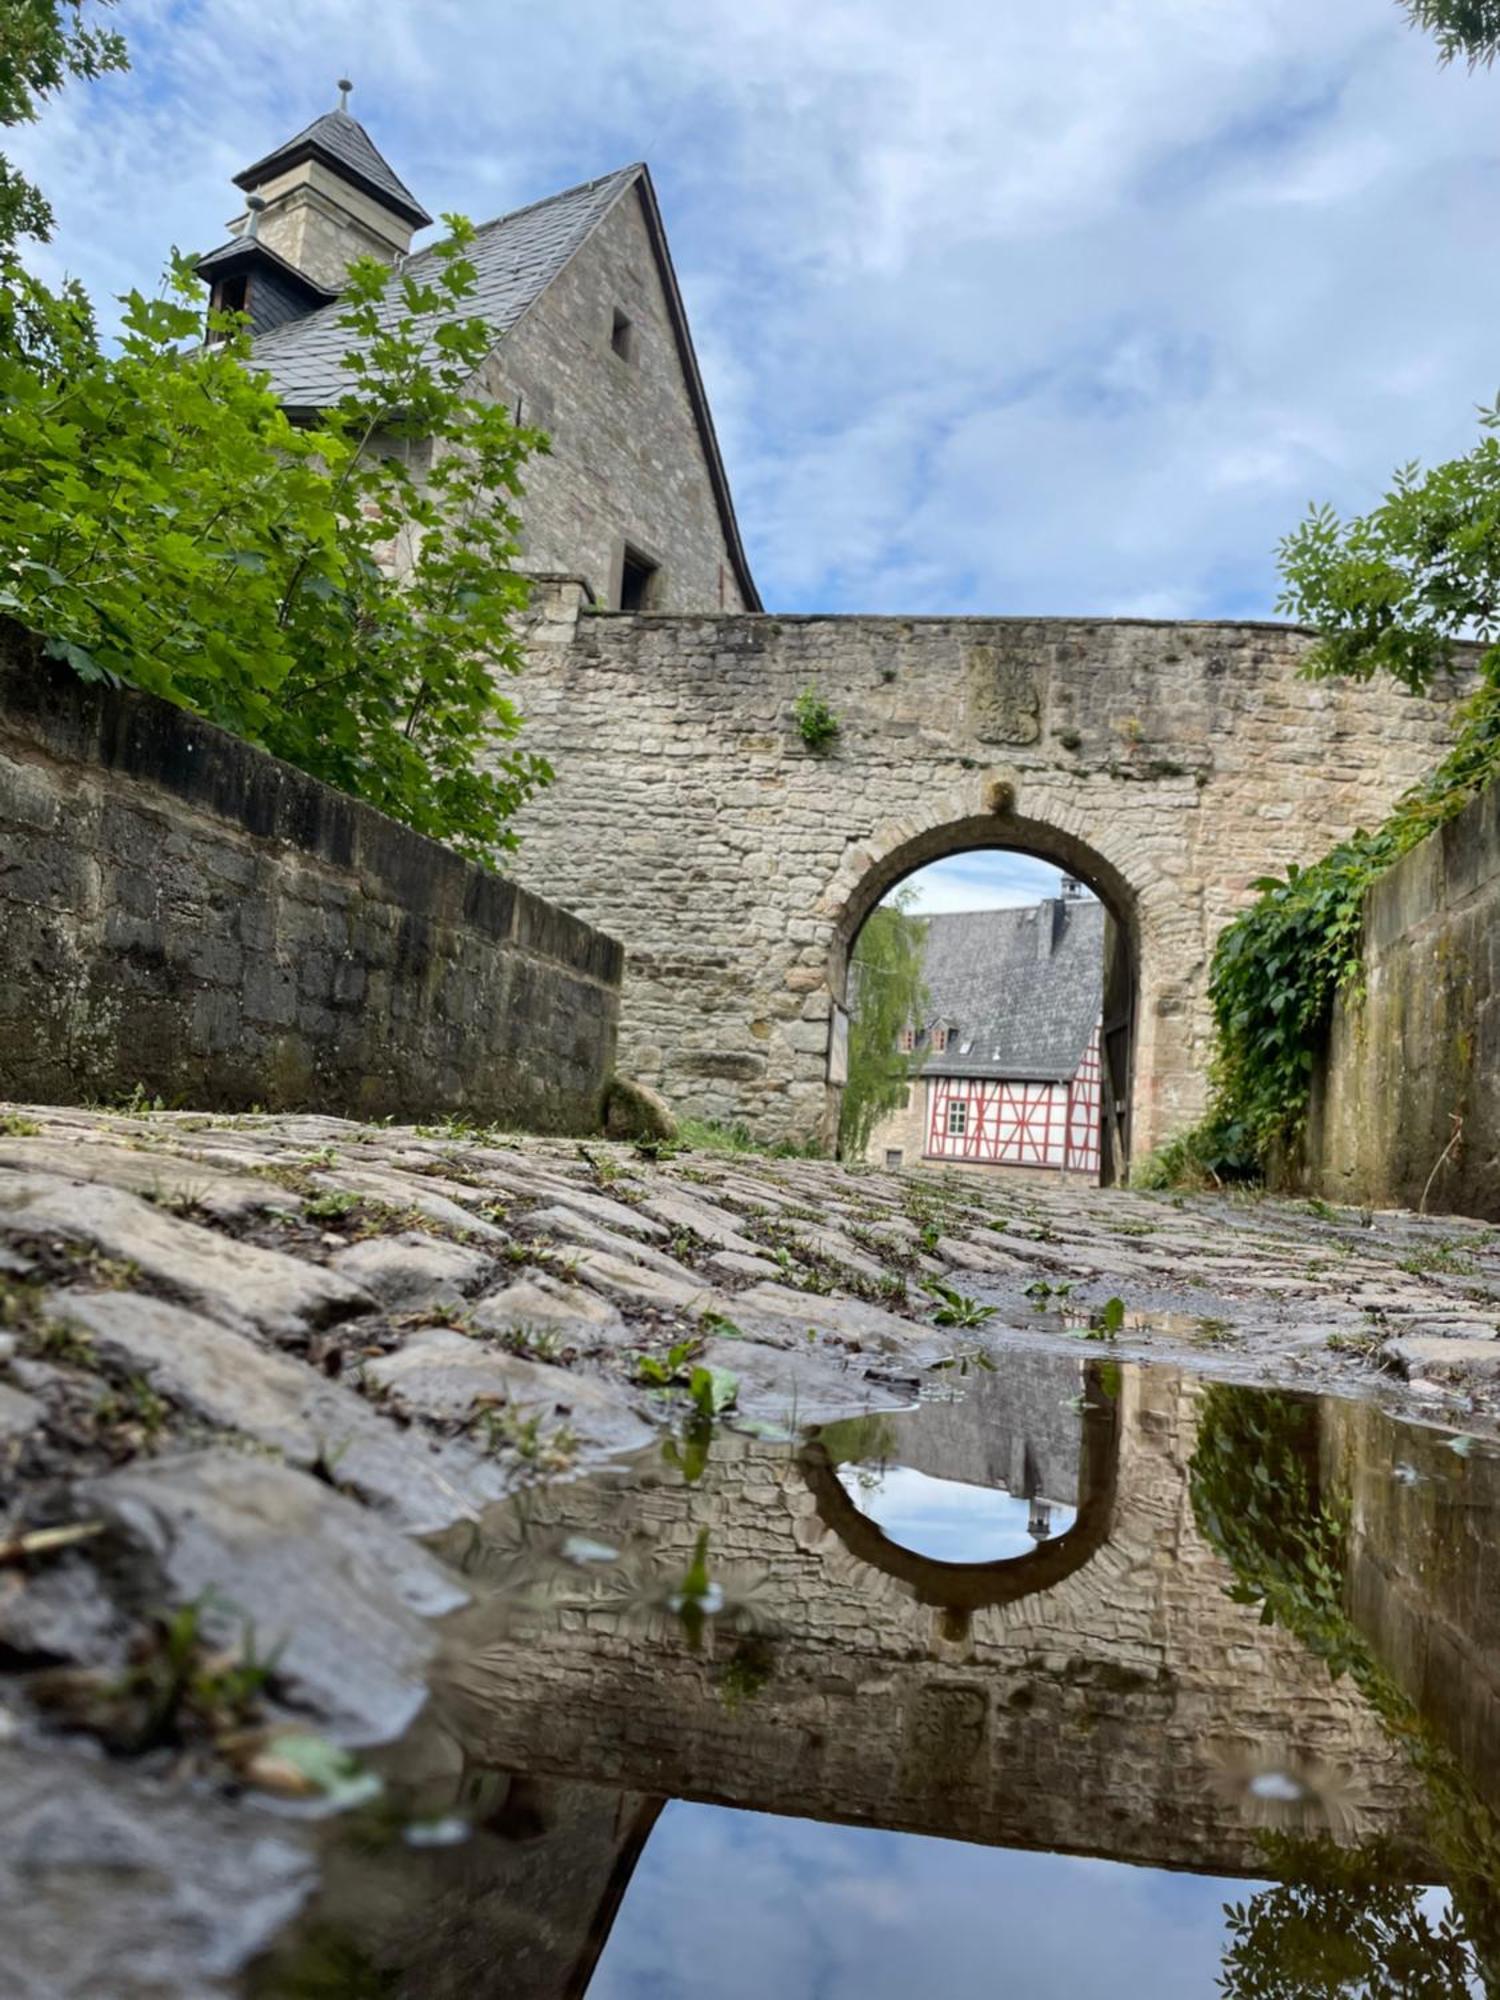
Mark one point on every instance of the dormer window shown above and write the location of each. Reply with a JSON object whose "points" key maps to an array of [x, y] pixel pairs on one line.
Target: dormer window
{"points": [[230, 295], [908, 1040], [622, 335]]}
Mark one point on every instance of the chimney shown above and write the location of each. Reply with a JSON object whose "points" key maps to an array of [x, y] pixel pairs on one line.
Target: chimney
{"points": [[1050, 919], [328, 196]]}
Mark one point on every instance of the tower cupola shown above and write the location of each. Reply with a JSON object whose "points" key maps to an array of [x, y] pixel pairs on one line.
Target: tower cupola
{"points": [[313, 205]]}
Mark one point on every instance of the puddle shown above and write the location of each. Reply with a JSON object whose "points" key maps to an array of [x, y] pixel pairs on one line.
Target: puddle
{"points": [[1092, 1678]]}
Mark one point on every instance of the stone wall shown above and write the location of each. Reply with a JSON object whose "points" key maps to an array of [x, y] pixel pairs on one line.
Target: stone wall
{"points": [[627, 461], [181, 911], [1168, 766], [1406, 1105]]}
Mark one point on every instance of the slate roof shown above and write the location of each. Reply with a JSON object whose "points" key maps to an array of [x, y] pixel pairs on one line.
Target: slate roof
{"points": [[515, 258], [345, 143], [1018, 1013]]}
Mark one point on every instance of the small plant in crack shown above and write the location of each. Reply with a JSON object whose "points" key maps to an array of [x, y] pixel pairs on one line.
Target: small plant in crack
{"points": [[955, 1308]]}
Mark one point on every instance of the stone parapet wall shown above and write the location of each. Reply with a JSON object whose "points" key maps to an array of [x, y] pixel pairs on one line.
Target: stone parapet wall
{"points": [[1167, 765], [1406, 1105], [182, 912]]}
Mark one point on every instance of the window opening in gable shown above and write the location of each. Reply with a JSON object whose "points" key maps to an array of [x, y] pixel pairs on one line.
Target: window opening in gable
{"points": [[622, 335], [637, 581]]}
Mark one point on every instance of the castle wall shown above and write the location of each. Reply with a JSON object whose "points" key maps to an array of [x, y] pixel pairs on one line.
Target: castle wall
{"points": [[627, 463], [180, 911], [1167, 765], [1406, 1102]]}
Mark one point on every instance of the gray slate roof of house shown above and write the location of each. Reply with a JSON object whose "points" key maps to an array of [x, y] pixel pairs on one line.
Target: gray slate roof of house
{"points": [[516, 257], [345, 142], [1019, 1012]]}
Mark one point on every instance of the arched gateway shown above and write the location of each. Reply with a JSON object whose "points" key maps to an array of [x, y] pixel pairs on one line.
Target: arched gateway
{"points": [[1167, 765]]}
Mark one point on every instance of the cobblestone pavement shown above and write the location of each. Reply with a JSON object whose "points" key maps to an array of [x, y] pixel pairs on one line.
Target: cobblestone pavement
{"points": [[247, 1362]]}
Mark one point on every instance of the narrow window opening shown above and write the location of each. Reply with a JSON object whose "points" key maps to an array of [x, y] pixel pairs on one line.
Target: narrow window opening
{"points": [[892, 1158], [230, 295], [958, 1120], [637, 581], [622, 336]]}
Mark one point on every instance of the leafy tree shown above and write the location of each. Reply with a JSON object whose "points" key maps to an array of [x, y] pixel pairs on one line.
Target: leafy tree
{"points": [[1342, 1924], [162, 523], [42, 44], [888, 995], [1467, 28]]}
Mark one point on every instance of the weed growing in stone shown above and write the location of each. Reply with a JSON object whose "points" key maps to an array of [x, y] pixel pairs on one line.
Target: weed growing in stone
{"points": [[955, 1308]]}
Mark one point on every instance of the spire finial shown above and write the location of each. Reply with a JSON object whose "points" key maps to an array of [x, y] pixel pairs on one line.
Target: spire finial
{"points": [[345, 86]]}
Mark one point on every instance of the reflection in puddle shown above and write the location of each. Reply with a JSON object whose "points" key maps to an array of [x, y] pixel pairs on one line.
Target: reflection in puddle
{"points": [[1230, 1723], [949, 1520]]}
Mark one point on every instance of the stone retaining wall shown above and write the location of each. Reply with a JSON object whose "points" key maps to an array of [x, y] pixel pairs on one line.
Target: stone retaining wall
{"points": [[1407, 1102], [181, 911]]}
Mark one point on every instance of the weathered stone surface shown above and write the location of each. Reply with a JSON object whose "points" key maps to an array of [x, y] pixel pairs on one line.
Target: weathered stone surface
{"points": [[223, 1378], [719, 1226], [345, 1598], [119, 1884], [237, 1283], [412, 1270], [445, 1375], [632, 1111], [1444, 1355], [61, 1612], [19, 1412], [563, 1225], [783, 1312], [181, 911], [1406, 1105], [1115, 748], [537, 1300], [731, 1264], [426, 1195], [635, 1284], [167, 1178]]}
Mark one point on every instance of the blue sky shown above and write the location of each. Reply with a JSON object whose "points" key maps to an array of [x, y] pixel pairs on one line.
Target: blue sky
{"points": [[1002, 308]]}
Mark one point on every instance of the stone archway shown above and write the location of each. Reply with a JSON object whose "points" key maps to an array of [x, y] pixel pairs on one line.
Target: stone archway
{"points": [[972, 1586], [1169, 765], [1130, 917]]}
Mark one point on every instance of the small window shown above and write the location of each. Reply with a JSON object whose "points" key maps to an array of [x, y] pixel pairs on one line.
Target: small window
{"points": [[230, 295], [622, 335], [939, 1040], [908, 1040], [958, 1120], [637, 581], [892, 1158]]}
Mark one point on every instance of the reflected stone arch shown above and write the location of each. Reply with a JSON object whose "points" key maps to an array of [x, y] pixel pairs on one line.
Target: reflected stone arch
{"points": [[1142, 911], [970, 1587]]}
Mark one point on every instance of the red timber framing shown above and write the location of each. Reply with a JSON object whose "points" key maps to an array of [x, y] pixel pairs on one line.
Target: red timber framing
{"points": [[994, 1121]]}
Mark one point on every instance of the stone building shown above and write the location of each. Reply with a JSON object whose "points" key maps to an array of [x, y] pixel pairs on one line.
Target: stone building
{"points": [[592, 347], [1009, 1042]]}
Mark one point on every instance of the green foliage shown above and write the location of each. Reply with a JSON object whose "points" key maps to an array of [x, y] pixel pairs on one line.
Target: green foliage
{"points": [[164, 524], [1342, 1922], [42, 44], [1467, 28], [955, 1308], [817, 724], [1389, 592], [713, 1390], [1254, 1485], [887, 995]]}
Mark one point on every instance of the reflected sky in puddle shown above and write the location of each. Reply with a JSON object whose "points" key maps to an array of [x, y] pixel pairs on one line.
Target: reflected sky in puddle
{"points": [[853, 1913], [826, 1717], [950, 1520]]}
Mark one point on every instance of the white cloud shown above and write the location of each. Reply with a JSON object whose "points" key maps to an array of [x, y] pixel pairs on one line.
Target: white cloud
{"points": [[990, 879], [1002, 308]]}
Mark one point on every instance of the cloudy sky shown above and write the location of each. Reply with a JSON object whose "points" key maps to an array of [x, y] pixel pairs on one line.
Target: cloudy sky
{"points": [[1002, 308]]}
